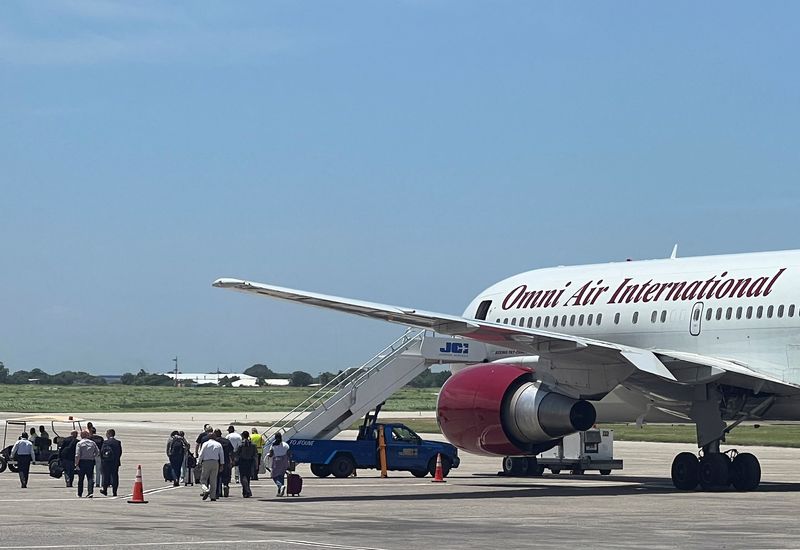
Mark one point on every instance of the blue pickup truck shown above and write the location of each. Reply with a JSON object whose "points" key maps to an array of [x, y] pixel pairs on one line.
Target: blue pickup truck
{"points": [[405, 451]]}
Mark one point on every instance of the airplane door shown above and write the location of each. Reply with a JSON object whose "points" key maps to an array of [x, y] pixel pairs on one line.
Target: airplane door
{"points": [[696, 319]]}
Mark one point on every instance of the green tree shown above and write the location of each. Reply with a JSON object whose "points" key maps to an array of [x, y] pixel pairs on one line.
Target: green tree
{"points": [[260, 371], [3, 373], [325, 377], [300, 378], [127, 379]]}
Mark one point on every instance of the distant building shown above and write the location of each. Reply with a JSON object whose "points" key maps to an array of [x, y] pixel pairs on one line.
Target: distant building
{"points": [[245, 380]]}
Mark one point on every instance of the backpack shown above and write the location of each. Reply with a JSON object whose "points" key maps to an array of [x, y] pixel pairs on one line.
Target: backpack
{"points": [[176, 446], [247, 451], [106, 452]]}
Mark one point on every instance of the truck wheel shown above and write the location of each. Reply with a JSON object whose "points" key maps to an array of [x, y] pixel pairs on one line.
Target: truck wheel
{"points": [[555, 471], [320, 470], [605, 472], [2, 464], [446, 465], [534, 468], [514, 465], [342, 466], [419, 473], [577, 472]]}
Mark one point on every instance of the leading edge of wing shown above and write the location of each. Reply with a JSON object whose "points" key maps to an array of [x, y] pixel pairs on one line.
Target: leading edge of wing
{"points": [[447, 324], [523, 339]]}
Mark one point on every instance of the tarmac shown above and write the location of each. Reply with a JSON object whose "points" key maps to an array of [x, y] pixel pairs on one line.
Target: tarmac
{"points": [[634, 508]]}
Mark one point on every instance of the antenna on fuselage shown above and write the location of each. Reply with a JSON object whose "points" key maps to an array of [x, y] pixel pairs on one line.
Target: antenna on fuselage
{"points": [[674, 252]]}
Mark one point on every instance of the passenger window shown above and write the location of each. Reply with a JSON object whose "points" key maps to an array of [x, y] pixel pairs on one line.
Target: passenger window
{"points": [[663, 315], [749, 312], [546, 322], [770, 310], [760, 312], [791, 311], [564, 321], [739, 312], [709, 313], [513, 321], [498, 321], [599, 318], [616, 318], [538, 322], [729, 313], [780, 311], [580, 319], [505, 321], [696, 315], [719, 313], [635, 318], [589, 319], [530, 322], [555, 320], [572, 321], [653, 316]]}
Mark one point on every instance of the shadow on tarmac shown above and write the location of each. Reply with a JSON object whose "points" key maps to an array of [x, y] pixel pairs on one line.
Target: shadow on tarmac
{"points": [[628, 486]]}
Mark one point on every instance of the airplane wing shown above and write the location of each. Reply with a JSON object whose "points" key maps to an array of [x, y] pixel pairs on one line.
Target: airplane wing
{"points": [[583, 364]]}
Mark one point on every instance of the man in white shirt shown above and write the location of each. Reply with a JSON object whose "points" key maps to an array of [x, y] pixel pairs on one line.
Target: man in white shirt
{"points": [[210, 457], [236, 441], [24, 454]]}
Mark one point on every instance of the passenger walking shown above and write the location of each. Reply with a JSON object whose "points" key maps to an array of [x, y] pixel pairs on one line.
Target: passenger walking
{"points": [[280, 453], [98, 466], [185, 466], [24, 454], [110, 458], [43, 441], [211, 457], [236, 441], [66, 454], [224, 478], [247, 461], [85, 453], [258, 441], [202, 438], [176, 450]]}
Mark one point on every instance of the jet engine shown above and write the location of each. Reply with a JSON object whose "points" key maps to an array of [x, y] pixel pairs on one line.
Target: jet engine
{"points": [[498, 409]]}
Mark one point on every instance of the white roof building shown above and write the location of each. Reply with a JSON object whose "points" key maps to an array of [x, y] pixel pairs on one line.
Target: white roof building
{"points": [[245, 380]]}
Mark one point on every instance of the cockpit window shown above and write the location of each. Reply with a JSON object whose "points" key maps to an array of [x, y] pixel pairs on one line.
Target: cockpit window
{"points": [[483, 309]]}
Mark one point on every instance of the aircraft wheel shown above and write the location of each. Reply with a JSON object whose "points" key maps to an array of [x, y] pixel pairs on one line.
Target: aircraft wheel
{"points": [[745, 472], [685, 472], [714, 471]]}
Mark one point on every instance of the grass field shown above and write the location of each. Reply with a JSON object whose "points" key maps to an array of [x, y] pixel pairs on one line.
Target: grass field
{"points": [[119, 398]]}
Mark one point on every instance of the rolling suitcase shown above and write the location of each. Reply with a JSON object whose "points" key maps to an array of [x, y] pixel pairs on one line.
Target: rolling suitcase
{"points": [[294, 484], [167, 471]]}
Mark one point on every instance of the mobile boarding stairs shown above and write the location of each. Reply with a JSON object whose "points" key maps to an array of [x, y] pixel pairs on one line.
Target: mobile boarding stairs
{"points": [[354, 392]]}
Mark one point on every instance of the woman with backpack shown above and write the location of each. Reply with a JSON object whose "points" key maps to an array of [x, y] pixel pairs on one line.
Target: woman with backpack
{"points": [[248, 454], [176, 448]]}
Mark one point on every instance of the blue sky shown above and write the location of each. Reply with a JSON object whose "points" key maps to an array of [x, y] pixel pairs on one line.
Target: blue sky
{"points": [[408, 152]]}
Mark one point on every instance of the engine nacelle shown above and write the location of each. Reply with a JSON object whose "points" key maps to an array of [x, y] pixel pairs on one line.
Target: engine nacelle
{"points": [[498, 409]]}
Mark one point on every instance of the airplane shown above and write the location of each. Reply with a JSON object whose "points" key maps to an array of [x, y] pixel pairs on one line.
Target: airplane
{"points": [[713, 340]]}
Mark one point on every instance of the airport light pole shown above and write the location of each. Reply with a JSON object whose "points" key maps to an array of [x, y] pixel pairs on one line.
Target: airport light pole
{"points": [[176, 370]]}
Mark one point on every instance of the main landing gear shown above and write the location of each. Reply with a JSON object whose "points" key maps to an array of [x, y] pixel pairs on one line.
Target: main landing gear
{"points": [[716, 471]]}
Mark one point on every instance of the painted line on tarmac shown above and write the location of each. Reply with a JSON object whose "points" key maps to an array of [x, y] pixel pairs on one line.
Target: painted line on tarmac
{"points": [[309, 543]]}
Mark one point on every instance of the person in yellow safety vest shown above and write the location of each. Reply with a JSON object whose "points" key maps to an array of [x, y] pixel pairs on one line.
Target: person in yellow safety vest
{"points": [[258, 440]]}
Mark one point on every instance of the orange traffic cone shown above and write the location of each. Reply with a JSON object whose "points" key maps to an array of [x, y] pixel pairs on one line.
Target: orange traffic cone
{"points": [[138, 488], [439, 477]]}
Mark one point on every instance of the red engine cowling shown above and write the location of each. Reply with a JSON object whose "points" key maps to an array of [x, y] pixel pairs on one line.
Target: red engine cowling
{"points": [[498, 409]]}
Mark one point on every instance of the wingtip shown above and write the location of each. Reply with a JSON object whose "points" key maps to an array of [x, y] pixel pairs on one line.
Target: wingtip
{"points": [[226, 282]]}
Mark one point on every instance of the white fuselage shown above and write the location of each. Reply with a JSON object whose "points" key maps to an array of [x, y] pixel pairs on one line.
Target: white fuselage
{"points": [[743, 307]]}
